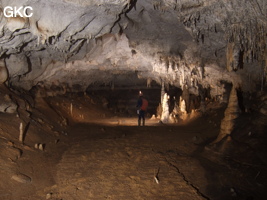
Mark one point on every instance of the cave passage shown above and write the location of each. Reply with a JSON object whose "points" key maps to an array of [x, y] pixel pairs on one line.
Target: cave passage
{"points": [[73, 72], [88, 145]]}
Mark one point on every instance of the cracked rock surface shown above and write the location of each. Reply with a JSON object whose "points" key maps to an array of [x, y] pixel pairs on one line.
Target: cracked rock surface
{"points": [[179, 42]]}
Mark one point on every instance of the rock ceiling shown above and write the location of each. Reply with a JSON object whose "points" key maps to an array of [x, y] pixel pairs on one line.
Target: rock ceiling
{"points": [[179, 42]]}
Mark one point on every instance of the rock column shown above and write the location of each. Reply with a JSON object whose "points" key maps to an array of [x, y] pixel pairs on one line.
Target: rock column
{"points": [[230, 115], [165, 109]]}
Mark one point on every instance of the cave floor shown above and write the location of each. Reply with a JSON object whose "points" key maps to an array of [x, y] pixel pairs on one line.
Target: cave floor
{"points": [[112, 158], [126, 162]]}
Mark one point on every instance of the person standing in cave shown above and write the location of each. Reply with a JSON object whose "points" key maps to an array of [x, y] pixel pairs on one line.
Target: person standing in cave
{"points": [[142, 105]]}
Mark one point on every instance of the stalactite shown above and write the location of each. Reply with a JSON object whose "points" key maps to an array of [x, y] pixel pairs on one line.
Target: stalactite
{"points": [[249, 38], [232, 56]]}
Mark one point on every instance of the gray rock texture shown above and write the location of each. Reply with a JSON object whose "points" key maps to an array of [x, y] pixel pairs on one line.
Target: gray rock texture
{"points": [[180, 42]]}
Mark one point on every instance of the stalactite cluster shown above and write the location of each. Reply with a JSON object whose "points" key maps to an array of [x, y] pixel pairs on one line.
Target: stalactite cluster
{"points": [[247, 44]]}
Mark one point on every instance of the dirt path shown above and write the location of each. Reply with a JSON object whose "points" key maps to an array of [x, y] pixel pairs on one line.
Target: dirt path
{"points": [[122, 163]]}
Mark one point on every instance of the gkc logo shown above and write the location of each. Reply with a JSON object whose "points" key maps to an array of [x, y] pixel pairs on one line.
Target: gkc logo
{"points": [[20, 11]]}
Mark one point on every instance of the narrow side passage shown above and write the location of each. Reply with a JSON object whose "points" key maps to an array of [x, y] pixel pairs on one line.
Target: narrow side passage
{"points": [[124, 163]]}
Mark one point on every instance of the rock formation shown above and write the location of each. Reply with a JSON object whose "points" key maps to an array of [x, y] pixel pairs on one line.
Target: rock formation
{"points": [[178, 42], [230, 115], [3, 72], [7, 105], [165, 109]]}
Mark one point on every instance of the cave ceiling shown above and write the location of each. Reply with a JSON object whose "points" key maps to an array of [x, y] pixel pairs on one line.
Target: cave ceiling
{"points": [[178, 42]]}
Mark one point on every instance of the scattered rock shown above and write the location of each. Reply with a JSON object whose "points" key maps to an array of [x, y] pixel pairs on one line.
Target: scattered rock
{"points": [[41, 121], [49, 196], [7, 105], [41, 147], [21, 178], [11, 152], [36, 146], [64, 122]]}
